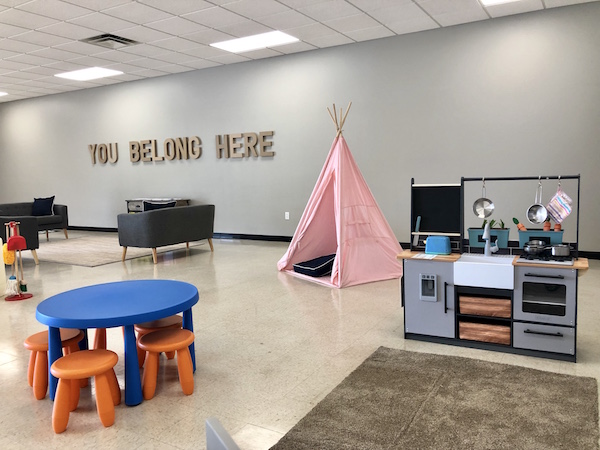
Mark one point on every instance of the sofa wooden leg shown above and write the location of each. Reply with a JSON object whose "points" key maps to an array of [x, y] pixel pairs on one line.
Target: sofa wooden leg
{"points": [[124, 253], [212, 249], [47, 238], [187, 245], [154, 255], [66, 234], [35, 257]]}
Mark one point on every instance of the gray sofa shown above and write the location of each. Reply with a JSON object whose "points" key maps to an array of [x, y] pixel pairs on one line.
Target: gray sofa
{"points": [[168, 226], [30, 225]]}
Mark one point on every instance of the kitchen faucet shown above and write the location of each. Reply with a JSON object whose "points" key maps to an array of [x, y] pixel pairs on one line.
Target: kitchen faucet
{"points": [[488, 249]]}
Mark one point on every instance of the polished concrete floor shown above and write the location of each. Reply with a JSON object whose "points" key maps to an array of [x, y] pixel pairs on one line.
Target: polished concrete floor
{"points": [[268, 348]]}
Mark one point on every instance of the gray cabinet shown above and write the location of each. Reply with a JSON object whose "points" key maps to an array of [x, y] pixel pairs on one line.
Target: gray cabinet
{"points": [[429, 298]]}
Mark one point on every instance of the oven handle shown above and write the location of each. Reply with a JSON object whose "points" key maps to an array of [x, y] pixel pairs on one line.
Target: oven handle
{"points": [[559, 277], [543, 333], [445, 297]]}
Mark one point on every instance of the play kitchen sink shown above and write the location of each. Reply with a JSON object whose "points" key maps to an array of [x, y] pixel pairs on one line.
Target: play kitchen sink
{"points": [[495, 272]]}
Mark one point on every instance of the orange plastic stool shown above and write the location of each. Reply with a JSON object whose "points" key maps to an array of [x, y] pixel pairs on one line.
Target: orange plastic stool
{"points": [[174, 321], [37, 371], [167, 340], [70, 369]]}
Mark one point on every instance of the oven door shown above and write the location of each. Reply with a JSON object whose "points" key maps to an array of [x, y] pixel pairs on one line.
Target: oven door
{"points": [[545, 295]]}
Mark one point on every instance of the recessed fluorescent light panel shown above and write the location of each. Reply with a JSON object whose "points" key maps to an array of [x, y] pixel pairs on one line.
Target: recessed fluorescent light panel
{"points": [[256, 42], [2, 94], [496, 2], [91, 73]]}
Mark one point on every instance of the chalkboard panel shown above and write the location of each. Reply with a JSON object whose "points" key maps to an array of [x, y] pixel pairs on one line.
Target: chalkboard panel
{"points": [[439, 208]]}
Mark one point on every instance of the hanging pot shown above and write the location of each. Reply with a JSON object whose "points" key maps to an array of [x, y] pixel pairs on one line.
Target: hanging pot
{"points": [[483, 207], [537, 213]]}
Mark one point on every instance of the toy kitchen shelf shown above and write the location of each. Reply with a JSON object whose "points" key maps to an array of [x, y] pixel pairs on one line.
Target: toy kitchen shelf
{"points": [[559, 178]]}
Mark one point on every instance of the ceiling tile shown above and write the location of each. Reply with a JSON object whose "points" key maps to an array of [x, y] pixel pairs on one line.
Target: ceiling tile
{"points": [[102, 22], [330, 40], [81, 48], [175, 26], [145, 50], [308, 32], [55, 9], [149, 73], [367, 34], [288, 19], [175, 68], [7, 30], [557, 3], [142, 34], [175, 58], [204, 51], [98, 5], [54, 53], [435, 7], [136, 13], [246, 28], [301, 3], [25, 19], [455, 12], [40, 70], [69, 30], [147, 63], [208, 36], [13, 65], [296, 47], [255, 9], [178, 7], [215, 17], [28, 58], [7, 54], [17, 46], [401, 13], [332, 9], [229, 58], [352, 23], [88, 61], [373, 5], [202, 64], [43, 39], [413, 26], [176, 44]]}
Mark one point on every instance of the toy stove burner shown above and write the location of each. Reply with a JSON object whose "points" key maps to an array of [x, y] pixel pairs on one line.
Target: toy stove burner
{"points": [[544, 258]]}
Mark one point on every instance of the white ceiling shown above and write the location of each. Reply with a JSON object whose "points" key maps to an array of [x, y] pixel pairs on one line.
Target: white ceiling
{"points": [[39, 38]]}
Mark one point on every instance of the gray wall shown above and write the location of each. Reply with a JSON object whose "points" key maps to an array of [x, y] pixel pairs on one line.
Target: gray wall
{"points": [[517, 96]]}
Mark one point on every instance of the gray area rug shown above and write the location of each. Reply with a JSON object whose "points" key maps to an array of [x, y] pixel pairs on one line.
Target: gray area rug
{"points": [[92, 249], [405, 400]]}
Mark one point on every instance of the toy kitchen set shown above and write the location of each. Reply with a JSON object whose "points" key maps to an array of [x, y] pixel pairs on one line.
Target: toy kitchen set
{"points": [[480, 289]]}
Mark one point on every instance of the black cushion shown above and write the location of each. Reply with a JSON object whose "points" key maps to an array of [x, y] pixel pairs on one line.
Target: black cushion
{"points": [[150, 206], [317, 267], [42, 206]]}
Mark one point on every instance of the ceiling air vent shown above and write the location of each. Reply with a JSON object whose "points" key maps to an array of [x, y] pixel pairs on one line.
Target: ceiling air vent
{"points": [[110, 41]]}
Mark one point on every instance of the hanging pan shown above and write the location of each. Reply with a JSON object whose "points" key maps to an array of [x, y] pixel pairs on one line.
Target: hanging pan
{"points": [[483, 207], [537, 213]]}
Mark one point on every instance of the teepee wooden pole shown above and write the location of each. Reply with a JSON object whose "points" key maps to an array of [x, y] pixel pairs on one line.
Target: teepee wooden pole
{"points": [[332, 119], [337, 125], [345, 115]]}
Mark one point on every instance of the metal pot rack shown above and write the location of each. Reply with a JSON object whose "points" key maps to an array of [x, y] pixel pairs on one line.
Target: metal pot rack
{"points": [[463, 180]]}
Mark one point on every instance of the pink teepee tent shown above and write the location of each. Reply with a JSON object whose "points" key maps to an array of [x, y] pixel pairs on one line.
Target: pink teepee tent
{"points": [[342, 217]]}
